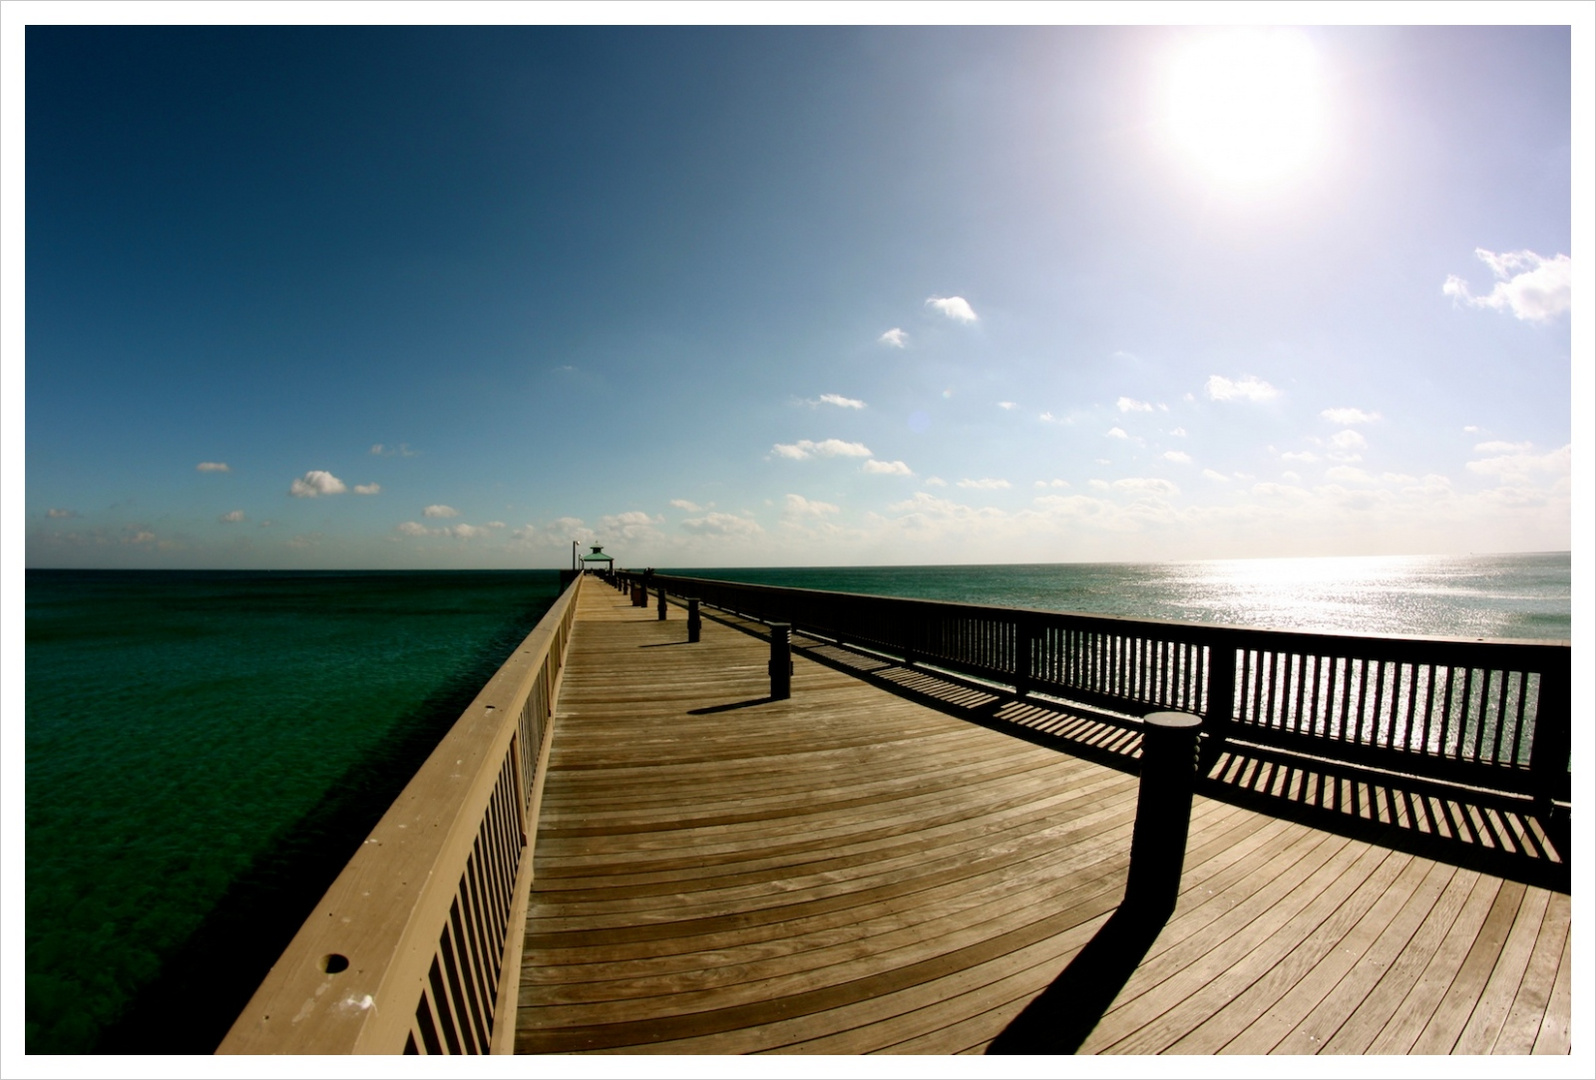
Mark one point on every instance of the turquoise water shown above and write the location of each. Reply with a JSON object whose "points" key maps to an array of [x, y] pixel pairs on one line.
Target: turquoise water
{"points": [[1491, 596], [205, 750]]}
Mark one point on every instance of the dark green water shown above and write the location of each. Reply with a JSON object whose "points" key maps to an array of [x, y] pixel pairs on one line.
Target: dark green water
{"points": [[204, 751]]}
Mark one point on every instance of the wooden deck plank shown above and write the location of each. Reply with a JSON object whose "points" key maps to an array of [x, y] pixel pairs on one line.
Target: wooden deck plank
{"points": [[849, 871]]}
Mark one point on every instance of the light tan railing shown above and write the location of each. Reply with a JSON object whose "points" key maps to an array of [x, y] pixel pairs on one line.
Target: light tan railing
{"points": [[416, 947]]}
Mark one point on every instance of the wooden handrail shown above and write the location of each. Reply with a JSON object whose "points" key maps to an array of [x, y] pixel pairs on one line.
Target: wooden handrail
{"points": [[1491, 713], [416, 947]]}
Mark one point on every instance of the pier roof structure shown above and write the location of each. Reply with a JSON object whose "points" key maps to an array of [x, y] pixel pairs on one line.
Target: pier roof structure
{"points": [[893, 860]]}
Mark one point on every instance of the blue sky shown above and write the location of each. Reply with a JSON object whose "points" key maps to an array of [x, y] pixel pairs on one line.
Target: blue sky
{"points": [[453, 297]]}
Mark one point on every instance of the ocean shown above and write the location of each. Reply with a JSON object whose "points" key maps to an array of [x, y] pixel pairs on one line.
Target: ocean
{"points": [[204, 750]]}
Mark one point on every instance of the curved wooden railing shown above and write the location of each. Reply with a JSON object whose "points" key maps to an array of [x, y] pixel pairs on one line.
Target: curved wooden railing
{"points": [[416, 947], [1489, 713]]}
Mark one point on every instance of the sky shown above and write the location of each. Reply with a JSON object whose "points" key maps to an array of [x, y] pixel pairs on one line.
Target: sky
{"points": [[456, 297]]}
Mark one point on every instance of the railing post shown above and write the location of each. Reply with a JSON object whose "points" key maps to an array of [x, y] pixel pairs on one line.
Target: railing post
{"points": [[780, 661], [1549, 752], [1024, 676], [662, 603], [695, 624], [1220, 710], [1163, 811]]}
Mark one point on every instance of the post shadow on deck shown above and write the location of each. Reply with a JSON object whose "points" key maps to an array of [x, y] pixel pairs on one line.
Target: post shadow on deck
{"points": [[1058, 1020]]}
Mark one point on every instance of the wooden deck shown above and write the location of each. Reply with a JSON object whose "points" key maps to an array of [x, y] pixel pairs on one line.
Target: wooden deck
{"points": [[854, 871]]}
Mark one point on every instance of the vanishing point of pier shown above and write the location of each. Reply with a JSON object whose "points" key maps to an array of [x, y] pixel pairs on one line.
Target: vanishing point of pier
{"points": [[633, 843]]}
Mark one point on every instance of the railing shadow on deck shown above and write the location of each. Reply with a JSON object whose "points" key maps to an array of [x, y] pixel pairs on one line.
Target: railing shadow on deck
{"points": [[1502, 835]]}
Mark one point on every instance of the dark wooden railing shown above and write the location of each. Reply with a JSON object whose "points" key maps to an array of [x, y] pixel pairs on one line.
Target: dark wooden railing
{"points": [[1494, 714]]}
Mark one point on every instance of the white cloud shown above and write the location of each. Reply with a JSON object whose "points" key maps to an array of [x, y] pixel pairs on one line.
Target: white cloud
{"points": [[1177, 456], [438, 510], [1517, 468], [684, 504], [1307, 457], [1471, 429], [799, 506], [1104, 461], [1127, 404], [631, 525], [1209, 474], [402, 450], [935, 481], [525, 532], [412, 528], [1100, 485], [806, 448], [954, 307], [987, 483], [1180, 432], [494, 525], [232, 515], [1116, 433], [1147, 485], [718, 524], [1349, 416], [886, 468], [1349, 475], [368, 489], [1348, 440], [463, 531], [213, 466], [1501, 447], [1053, 483], [316, 482], [57, 512], [1531, 286], [896, 337], [841, 402], [1249, 387], [1005, 404]]}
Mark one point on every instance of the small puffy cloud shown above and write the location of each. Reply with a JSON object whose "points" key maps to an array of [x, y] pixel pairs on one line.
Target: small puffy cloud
{"points": [[463, 531], [886, 468], [1005, 405], [494, 525], [1519, 467], [935, 481], [232, 516], [1104, 461], [1348, 440], [1217, 477], [402, 450], [719, 524], [841, 402], [1179, 432], [1052, 483], [799, 506], [525, 532], [1116, 433], [1127, 404], [1307, 457], [1349, 416], [896, 337], [1471, 429], [1247, 388], [1147, 485], [368, 489], [688, 505], [414, 528], [1501, 447], [806, 448], [1180, 457], [1531, 286], [212, 466], [57, 512], [438, 510], [316, 482], [986, 483], [954, 307]]}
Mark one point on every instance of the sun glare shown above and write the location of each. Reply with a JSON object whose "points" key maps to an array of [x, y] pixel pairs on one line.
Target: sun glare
{"points": [[1246, 105]]}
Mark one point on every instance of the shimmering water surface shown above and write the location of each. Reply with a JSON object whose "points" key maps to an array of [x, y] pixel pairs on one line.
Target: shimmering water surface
{"points": [[204, 750]]}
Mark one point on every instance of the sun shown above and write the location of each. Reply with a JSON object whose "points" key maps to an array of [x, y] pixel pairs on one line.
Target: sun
{"points": [[1246, 105]]}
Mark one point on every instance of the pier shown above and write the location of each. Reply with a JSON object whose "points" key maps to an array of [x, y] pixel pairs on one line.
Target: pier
{"points": [[631, 844]]}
